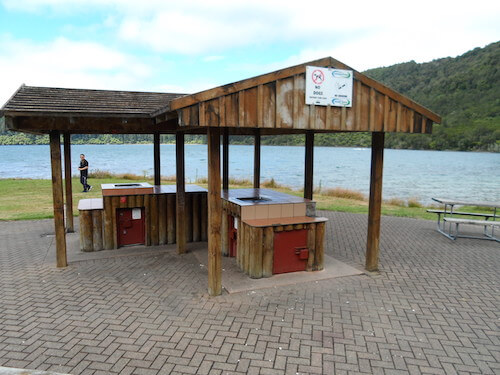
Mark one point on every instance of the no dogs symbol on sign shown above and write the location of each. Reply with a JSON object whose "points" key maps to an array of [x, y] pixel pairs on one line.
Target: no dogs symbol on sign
{"points": [[318, 77]]}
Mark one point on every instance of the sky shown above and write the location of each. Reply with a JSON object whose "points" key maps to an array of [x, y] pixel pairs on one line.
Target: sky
{"points": [[186, 46]]}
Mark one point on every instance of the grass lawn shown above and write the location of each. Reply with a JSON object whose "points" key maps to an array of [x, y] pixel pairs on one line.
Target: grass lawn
{"points": [[25, 199]]}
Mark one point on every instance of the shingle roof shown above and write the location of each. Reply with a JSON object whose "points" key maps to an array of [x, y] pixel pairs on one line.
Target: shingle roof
{"points": [[50, 100]]}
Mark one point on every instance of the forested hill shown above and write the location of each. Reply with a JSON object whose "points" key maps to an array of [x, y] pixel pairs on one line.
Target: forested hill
{"points": [[464, 90]]}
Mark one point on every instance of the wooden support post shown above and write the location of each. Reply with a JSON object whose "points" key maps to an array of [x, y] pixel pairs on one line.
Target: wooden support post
{"points": [[225, 159], [156, 155], [256, 161], [58, 198], [214, 214], [180, 194], [309, 165], [375, 202], [70, 226]]}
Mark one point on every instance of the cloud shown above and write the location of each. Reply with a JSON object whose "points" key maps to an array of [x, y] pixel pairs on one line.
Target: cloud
{"points": [[213, 58], [66, 63], [200, 27], [233, 36]]}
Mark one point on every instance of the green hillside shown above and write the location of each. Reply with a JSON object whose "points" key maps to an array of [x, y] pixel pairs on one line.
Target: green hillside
{"points": [[464, 90]]}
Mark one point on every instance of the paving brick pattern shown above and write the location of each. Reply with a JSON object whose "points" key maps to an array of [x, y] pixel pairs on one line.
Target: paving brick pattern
{"points": [[433, 309]]}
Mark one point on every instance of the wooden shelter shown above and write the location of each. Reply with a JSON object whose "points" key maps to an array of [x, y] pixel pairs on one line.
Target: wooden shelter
{"points": [[269, 104]]}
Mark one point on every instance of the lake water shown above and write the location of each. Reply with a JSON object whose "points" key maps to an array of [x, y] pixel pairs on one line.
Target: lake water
{"points": [[407, 173]]}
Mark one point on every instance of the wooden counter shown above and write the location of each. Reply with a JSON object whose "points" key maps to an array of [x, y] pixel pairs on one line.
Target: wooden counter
{"points": [[91, 229], [159, 211], [257, 238]]}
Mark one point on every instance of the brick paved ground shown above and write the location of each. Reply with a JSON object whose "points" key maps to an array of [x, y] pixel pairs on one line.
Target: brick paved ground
{"points": [[434, 308]]}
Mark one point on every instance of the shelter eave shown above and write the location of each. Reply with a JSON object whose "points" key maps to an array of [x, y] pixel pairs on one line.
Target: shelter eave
{"points": [[87, 125]]}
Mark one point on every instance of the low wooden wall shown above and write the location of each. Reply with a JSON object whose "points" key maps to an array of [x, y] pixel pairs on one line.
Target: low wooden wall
{"points": [[98, 227], [255, 247], [160, 217]]}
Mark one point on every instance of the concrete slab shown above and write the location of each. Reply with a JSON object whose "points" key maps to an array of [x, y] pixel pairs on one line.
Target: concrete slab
{"points": [[235, 281]]}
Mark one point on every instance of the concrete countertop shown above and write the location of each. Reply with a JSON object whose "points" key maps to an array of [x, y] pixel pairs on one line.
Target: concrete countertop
{"points": [[145, 188], [282, 221], [275, 197]]}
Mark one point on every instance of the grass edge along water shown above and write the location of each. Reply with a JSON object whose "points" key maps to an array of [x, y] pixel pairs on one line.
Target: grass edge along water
{"points": [[17, 196]]}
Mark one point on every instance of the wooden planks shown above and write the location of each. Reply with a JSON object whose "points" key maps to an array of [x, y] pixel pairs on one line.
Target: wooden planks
{"points": [[255, 247], [255, 252], [296, 73], [267, 252], [153, 220], [97, 239], [86, 239], [108, 223], [319, 241], [375, 202], [281, 105], [171, 218], [214, 213], [162, 219], [311, 245], [160, 212], [58, 199]]}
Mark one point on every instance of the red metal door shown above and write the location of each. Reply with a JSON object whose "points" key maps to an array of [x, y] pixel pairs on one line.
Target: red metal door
{"points": [[233, 236], [130, 227], [290, 251]]}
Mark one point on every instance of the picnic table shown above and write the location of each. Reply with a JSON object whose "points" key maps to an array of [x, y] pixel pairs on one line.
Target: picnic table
{"points": [[452, 219]]}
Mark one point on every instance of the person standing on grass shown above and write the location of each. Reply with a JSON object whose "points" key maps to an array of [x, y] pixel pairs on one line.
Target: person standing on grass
{"points": [[84, 171]]}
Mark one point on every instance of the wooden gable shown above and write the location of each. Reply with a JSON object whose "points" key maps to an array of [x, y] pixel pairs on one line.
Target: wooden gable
{"points": [[277, 101]]}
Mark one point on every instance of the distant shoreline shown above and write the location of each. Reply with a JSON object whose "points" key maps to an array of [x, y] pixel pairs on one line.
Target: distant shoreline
{"points": [[262, 145]]}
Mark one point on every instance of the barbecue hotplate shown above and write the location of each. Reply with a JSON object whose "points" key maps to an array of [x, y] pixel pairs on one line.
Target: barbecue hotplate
{"points": [[255, 199], [128, 185]]}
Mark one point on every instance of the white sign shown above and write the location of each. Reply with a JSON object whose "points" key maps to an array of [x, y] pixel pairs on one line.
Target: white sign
{"points": [[326, 86], [136, 213]]}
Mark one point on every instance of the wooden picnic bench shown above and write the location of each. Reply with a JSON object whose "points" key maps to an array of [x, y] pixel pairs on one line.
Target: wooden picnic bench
{"points": [[449, 216]]}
